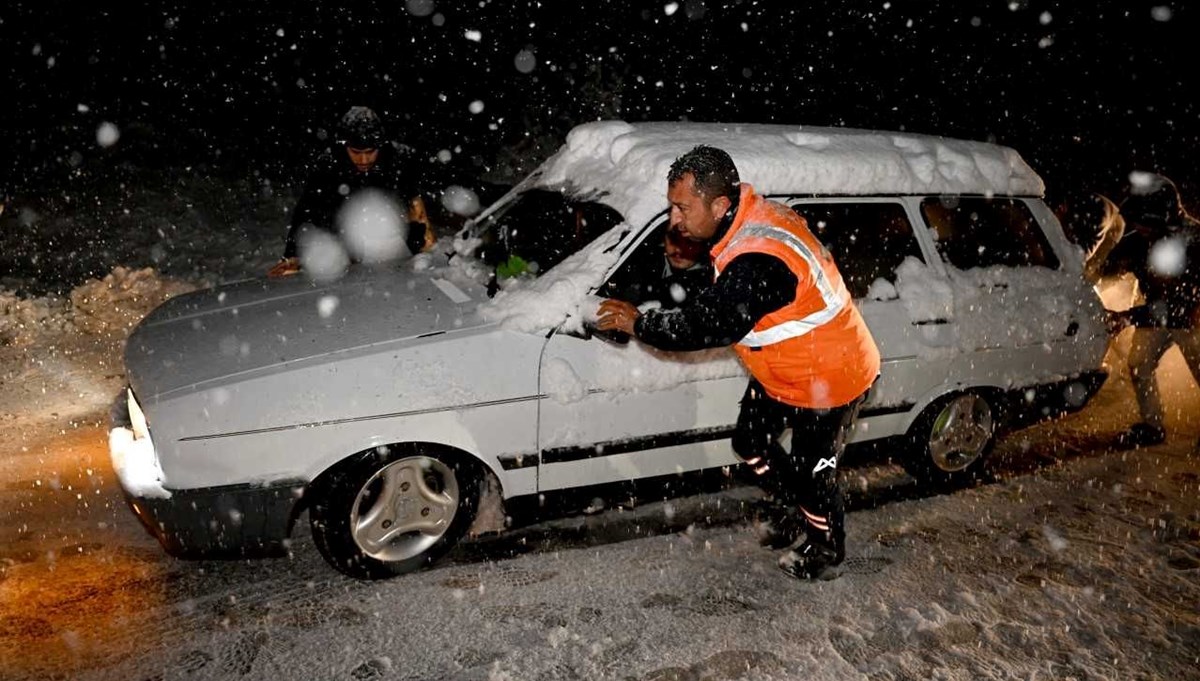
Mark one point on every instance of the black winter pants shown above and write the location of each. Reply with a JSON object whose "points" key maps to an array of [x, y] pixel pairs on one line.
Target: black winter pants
{"points": [[804, 475]]}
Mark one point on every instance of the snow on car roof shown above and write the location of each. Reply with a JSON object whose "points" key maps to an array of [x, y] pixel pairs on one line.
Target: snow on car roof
{"points": [[622, 160]]}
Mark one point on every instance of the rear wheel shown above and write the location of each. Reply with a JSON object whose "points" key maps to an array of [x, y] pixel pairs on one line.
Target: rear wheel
{"points": [[391, 511], [950, 441]]}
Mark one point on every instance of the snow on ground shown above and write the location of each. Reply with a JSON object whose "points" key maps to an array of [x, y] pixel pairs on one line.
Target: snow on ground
{"points": [[60, 356], [1077, 564]]}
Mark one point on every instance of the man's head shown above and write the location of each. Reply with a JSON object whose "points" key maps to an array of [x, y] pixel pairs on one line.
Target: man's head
{"points": [[1153, 203], [701, 186], [682, 253], [362, 133]]}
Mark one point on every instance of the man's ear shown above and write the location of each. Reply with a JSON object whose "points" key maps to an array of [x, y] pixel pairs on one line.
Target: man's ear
{"points": [[720, 205]]}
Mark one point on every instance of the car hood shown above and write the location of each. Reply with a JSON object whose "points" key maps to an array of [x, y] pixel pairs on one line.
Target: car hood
{"points": [[258, 325]]}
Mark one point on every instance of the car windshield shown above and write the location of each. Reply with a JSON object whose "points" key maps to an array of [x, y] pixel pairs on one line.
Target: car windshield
{"points": [[539, 228]]}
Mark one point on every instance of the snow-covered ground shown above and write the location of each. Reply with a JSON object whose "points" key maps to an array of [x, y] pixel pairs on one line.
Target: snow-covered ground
{"points": [[1079, 562]]}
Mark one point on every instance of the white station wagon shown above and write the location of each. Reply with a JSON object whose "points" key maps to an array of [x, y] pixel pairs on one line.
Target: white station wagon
{"points": [[386, 402]]}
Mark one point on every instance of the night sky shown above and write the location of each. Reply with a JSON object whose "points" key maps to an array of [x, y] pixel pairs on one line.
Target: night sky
{"points": [[1085, 91]]}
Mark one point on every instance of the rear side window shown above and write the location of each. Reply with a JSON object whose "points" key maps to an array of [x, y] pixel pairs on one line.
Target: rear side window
{"points": [[979, 232], [868, 240]]}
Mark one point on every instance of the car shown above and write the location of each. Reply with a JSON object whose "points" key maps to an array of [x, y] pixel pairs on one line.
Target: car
{"points": [[386, 402]]}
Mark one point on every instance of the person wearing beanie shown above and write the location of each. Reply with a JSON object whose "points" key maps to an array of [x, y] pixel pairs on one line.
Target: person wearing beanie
{"points": [[363, 159]]}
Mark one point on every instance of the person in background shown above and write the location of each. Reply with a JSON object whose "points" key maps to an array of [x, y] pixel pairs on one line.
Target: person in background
{"points": [[543, 230], [1160, 247], [364, 159], [779, 299]]}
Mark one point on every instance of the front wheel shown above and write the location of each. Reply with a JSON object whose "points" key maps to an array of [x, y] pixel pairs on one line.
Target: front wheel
{"points": [[950, 441], [387, 512]]}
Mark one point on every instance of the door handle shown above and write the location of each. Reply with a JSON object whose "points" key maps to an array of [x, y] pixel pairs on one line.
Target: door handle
{"points": [[930, 322]]}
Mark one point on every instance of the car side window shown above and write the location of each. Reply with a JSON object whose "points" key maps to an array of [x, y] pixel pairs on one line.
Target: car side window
{"points": [[981, 232], [868, 240], [638, 276]]}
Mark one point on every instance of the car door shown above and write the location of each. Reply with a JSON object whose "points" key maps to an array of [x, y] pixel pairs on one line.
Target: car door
{"points": [[875, 248], [1024, 313], [615, 411]]}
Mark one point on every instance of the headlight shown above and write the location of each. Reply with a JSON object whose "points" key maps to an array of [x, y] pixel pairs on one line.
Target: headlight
{"points": [[137, 418]]}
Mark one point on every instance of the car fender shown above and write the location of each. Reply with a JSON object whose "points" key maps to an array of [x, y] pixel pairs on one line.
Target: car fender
{"points": [[443, 428]]}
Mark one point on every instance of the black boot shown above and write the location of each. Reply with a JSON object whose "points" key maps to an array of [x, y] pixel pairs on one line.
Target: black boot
{"points": [[1142, 435], [780, 529], [812, 561]]}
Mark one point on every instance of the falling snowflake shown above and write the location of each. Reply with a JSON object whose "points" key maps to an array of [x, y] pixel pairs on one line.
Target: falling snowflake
{"points": [[107, 134], [525, 61], [460, 200], [1168, 257], [322, 256], [419, 8], [326, 305], [373, 227]]}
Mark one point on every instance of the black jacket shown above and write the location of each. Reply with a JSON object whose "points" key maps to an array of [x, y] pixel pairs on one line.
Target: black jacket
{"points": [[1172, 297], [334, 180], [750, 287]]}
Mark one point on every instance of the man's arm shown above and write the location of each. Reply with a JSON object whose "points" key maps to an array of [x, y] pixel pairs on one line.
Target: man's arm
{"points": [[312, 208], [752, 286]]}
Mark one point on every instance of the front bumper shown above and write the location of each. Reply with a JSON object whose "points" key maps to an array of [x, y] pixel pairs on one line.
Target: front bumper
{"points": [[233, 521], [227, 521]]}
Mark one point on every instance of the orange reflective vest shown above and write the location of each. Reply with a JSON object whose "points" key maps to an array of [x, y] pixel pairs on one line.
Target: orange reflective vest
{"points": [[815, 352]]}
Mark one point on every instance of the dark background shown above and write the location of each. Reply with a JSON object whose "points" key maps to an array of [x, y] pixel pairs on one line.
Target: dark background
{"points": [[1086, 92]]}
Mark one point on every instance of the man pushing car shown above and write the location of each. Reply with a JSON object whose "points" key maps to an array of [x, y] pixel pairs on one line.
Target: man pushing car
{"points": [[778, 298]]}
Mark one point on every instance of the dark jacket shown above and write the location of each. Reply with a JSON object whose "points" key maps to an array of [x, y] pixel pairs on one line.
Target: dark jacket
{"points": [[1164, 256], [752, 286], [1172, 298], [334, 180]]}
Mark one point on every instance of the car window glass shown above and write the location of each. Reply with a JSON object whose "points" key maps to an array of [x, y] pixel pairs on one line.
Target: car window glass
{"points": [[645, 261], [980, 232], [868, 240], [649, 276], [542, 227]]}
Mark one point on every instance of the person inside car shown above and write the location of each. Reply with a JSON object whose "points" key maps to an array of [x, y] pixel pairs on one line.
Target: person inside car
{"points": [[666, 279], [779, 299], [541, 231], [1160, 246], [366, 160]]}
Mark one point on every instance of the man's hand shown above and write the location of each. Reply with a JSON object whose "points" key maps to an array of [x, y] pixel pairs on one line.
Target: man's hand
{"points": [[617, 315], [284, 267]]}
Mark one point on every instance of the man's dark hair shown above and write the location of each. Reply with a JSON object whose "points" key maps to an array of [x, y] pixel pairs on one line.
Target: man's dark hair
{"points": [[713, 169]]}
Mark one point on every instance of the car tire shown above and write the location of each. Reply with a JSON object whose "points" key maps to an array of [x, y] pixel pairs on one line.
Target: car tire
{"points": [[949, 443], [389, 511]]}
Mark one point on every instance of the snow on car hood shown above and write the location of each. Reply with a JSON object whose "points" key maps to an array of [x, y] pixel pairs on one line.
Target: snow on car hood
{"points": [[258, 324]]}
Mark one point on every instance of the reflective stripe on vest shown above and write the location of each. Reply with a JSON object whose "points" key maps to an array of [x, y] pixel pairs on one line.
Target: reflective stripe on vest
{"points": [[835, 299]]}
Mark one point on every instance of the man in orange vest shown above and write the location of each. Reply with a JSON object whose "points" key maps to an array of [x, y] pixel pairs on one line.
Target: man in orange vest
{"points": [[778, 298]]}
